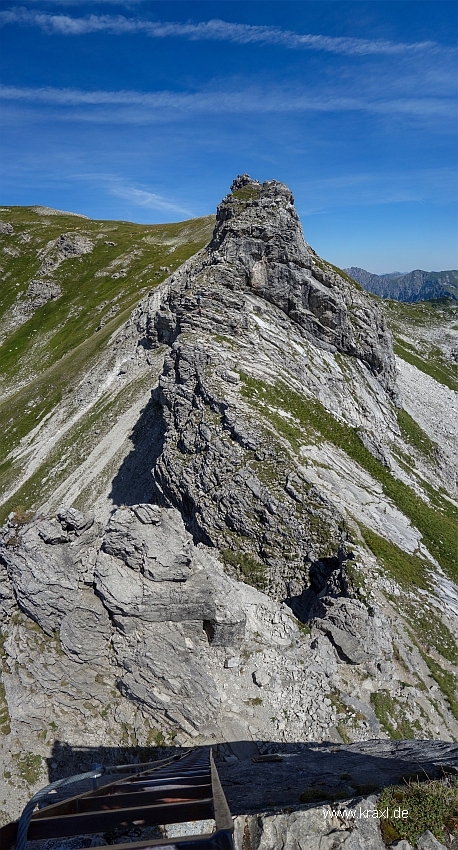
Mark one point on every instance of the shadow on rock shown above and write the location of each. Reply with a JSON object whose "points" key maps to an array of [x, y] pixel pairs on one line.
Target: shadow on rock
{"points": [[259, 775], [133, 483]]}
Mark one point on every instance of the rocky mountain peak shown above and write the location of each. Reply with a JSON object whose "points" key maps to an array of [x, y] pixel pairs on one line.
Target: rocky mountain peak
{"points": [[258, 245]]}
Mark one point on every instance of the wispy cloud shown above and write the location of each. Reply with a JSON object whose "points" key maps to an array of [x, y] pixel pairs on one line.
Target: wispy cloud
{"points": [[142, 198], [213, 30], [143, 107]]}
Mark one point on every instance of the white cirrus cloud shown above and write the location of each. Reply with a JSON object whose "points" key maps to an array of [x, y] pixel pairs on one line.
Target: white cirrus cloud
{"points": [[143, 107], [142, 198], [213, 30]]}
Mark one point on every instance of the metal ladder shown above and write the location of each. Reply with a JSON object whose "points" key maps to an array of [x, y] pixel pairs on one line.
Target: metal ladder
{"points": [[178, 790]]}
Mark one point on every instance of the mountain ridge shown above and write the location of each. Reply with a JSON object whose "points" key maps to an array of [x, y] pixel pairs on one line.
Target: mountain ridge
{"points": [[413, 286], [234, 498]]}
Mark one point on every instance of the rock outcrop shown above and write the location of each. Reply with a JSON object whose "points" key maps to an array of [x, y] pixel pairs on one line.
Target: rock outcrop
{"points": [[39, 292], [258, 246]]}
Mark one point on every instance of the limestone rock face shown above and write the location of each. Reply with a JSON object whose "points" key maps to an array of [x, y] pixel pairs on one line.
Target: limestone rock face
{"points": [[160, 673], [205, 470], [44, 575], [155, 595], [39, 292], [258, 245], [86, 629], [359, 633], [153, 572], [222, 586]]}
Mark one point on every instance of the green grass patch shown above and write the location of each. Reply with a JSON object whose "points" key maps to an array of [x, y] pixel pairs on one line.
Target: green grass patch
{"points": [[415, 436], [430, 805], [446, 680], [389, 712], [431, 631], [49, 353], [250, 570], [408, 570], [247, 193], [343, 732], [434, 369], [29, 767]]}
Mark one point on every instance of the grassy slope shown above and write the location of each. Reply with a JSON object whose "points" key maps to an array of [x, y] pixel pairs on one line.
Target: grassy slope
{"points": [[45, 357], [437, 522], [414, 328]]}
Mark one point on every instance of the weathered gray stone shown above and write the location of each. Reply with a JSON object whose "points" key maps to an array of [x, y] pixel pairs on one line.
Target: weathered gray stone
{"points": [[129, 593], [86, 629], [147, 513], [38, 293], [359, 633], [74, 520], [162, 674], [152, 547], [51, 531], [427, 841], [261, 678], [308, 829], [7, 598], [44, 577], [259, 237]]}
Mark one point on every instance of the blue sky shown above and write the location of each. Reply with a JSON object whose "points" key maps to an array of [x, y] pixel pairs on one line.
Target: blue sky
{"points": [[146, 111]]}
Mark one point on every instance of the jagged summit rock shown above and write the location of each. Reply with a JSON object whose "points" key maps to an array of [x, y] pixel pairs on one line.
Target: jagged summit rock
{"points": [[243, 180], [258, 246]]}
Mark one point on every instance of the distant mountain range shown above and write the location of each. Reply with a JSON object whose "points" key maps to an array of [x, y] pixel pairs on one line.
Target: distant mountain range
{"points": [[411, 286]]}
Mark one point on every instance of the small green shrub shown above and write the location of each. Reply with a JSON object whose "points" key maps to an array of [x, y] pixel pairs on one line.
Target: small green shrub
{"points": [[303, 628], [251, 570], [156, 737], [29, 767], [21, 515], [387, 709], [430, 805]]}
